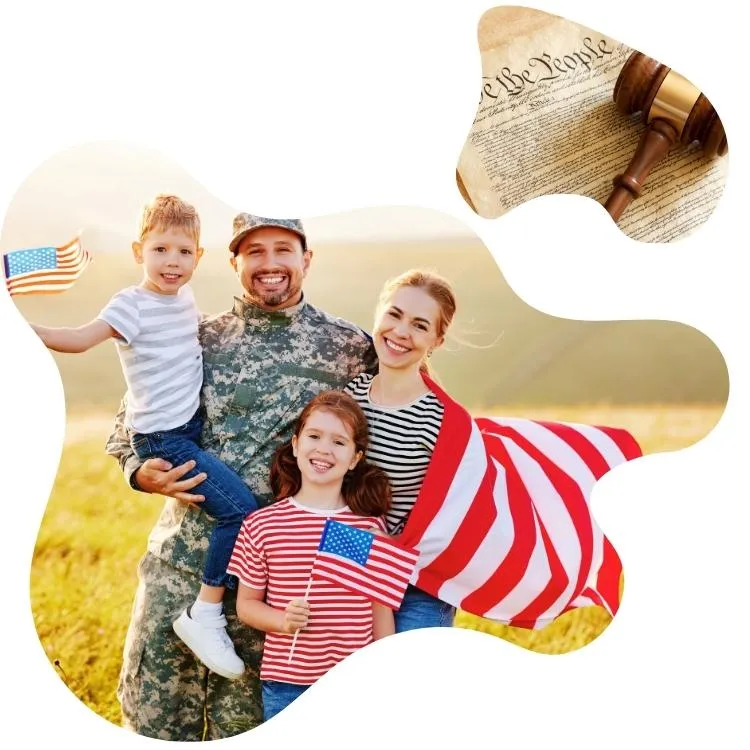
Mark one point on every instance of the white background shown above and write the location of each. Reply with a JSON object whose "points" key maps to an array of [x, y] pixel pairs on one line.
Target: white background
{"points": [[290, 108]]}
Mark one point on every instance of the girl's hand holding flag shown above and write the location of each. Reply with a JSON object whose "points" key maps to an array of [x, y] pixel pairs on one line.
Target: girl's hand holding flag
{"points": [[296, 616]]}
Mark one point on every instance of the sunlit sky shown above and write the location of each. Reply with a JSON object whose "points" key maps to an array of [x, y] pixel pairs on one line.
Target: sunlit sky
{"points": [[386, 223], [106, 185]]}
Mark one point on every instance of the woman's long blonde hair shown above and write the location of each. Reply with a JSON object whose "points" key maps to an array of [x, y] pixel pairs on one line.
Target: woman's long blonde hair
{"points": [[436, 286]]}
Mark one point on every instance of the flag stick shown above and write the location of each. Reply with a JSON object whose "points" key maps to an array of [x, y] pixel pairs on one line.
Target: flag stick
{"points": [[296, 632]]}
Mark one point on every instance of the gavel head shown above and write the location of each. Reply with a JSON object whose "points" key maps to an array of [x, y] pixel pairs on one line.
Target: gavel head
{"points": [[657, 92]]}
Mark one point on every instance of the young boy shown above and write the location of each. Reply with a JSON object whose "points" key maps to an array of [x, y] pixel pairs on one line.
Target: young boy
{"points": [[155, 328]]}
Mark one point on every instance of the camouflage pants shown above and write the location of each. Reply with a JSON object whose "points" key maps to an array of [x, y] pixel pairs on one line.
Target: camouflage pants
{"points": [[164, 691]]}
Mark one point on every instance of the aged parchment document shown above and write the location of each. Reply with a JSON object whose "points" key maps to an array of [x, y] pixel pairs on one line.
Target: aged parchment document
{"points": [[547, 123]]}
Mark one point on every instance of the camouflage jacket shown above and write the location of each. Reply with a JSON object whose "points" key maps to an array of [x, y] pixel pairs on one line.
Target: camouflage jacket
{"points": [[259, 370]]}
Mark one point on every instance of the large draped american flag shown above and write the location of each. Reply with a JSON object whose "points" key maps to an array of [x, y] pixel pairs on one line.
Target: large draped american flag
{"points": [[503, 524]]}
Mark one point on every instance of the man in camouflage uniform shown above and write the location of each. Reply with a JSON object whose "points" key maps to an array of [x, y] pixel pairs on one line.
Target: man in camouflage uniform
{"points": [[263, 361]]}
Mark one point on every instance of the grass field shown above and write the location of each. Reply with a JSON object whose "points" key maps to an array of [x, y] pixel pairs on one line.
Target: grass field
{"points": [[95, 528]]}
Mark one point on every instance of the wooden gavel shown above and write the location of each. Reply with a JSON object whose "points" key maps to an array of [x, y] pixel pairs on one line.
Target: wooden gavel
{"points": [[673, 109]]}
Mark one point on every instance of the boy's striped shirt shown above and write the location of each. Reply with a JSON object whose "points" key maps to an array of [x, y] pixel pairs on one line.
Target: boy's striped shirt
{"points": [[160, 355]]}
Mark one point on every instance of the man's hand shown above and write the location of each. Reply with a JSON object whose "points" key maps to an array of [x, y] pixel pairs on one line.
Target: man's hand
{"points": [[157, 475], [296, 615]]}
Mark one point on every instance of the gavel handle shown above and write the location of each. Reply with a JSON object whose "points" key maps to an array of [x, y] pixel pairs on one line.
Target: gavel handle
{"points": [[653, 147]]}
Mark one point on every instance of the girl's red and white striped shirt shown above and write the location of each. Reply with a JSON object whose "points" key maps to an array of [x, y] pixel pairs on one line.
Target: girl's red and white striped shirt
{"points": [[275, 550]]}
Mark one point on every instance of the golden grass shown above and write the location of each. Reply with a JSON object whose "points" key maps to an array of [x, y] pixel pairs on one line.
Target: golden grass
{"points": [[94, 531]]}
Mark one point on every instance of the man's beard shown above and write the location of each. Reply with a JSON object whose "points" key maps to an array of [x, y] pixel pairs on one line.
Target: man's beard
{"points": [[271, 299], [274, 299]]}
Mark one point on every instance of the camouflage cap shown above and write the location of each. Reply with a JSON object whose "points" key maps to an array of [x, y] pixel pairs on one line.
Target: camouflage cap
{"points": [[245, 223]]}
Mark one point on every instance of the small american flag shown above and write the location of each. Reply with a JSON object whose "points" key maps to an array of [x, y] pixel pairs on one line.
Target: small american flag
{"points": [[41, 270], [366, 563]]}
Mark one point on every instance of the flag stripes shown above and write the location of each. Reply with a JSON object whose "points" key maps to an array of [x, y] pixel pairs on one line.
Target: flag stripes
{"points": [[503, 524], [381, 572], [44, 269]]}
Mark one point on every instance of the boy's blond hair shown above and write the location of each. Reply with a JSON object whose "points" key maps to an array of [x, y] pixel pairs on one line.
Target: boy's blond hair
{"points": [[167, 212]]}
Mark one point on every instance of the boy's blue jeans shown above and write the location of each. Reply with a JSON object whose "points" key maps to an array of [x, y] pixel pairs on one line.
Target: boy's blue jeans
{"points": [[228, 499], [422, 610]]}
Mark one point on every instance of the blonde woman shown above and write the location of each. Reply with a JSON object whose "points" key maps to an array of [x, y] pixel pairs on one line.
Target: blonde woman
{"points": [[404, 416]]}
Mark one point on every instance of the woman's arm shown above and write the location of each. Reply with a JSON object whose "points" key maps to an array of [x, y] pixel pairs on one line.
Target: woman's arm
{"points": [[75, 340], [382, 621], [253, 611]]}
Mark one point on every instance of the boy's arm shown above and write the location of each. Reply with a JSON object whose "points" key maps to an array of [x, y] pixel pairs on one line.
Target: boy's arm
{"points": [[75, 340], [382, 621]]}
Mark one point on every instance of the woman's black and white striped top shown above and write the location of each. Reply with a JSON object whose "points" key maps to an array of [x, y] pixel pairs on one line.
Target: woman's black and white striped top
{"points": [[402, 440]]}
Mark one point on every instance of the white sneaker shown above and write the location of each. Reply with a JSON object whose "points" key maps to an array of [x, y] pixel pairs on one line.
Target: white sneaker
{"points": [[210, 644]]}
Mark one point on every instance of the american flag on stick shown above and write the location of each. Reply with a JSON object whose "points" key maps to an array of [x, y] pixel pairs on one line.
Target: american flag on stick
{"points": [[374, 566], [503, 524], [44, 270]]}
